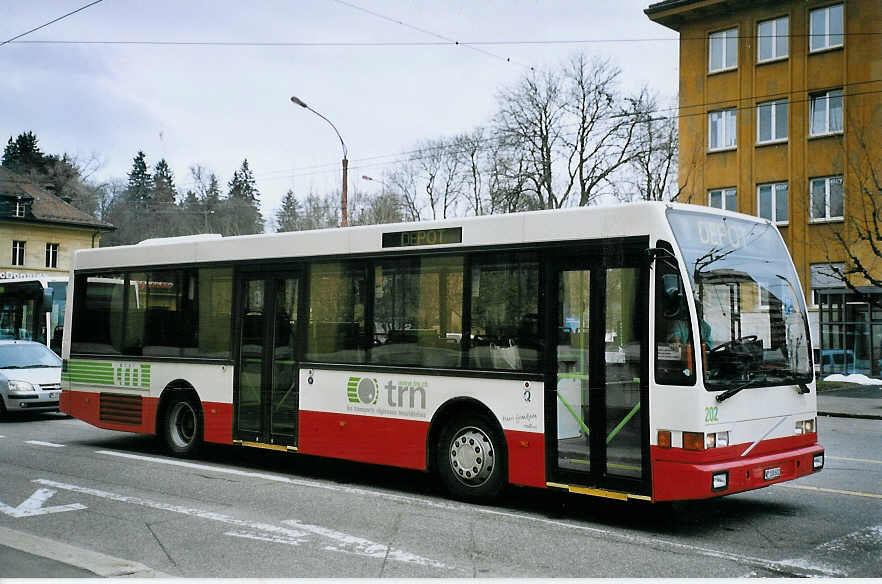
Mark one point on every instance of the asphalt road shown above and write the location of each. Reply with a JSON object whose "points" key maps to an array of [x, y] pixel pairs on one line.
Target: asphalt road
{"points": [[80, 492]]}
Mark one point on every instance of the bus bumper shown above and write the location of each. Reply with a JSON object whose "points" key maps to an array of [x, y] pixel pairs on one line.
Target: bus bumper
{"points": [[677, 481]]}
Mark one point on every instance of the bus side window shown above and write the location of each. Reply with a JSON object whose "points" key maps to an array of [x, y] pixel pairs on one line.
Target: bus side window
{"points": [[674, 347]]}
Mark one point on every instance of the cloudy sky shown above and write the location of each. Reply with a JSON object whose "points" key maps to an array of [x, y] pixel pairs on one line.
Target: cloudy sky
{"points": [[380, 70]]}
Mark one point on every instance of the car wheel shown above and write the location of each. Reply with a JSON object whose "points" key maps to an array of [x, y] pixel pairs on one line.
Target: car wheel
{"points": [[471, 458], [182, 427], [2, 409]]}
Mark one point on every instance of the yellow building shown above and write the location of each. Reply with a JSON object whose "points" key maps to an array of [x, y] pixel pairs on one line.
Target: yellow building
{"points": [[781, 117], [39, 232]]}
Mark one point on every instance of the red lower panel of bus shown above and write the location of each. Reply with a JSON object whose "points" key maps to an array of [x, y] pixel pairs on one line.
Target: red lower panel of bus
{"points": [[364, 438], [86, 406], [402, 443], [674, 480]]}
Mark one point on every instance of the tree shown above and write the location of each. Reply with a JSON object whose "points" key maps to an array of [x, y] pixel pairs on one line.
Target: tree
{"points": [[23, 155], [290, 213], [139, 191], [164, 192], [574, 127], [653, 167], [241, 208]]}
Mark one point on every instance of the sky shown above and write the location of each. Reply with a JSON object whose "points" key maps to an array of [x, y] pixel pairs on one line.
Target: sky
{"points": [[214, 105]]}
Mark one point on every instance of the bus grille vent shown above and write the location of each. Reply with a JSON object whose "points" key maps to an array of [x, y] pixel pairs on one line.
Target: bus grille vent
{"points": [[122, 409]]}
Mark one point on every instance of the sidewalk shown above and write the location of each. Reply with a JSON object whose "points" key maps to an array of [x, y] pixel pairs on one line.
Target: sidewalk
{"points": [[851, 401], [23, 555]]}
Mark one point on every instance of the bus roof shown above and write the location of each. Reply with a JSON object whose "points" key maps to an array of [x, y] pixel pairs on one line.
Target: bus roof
{"points": [[582, 223]]}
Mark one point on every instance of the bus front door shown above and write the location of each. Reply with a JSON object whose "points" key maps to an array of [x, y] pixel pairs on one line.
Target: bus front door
{"points": [[266, 392], [598, 396]]}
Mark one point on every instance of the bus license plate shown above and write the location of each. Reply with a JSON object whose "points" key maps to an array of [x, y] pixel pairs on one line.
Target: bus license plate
{"points": [[772, 473]]}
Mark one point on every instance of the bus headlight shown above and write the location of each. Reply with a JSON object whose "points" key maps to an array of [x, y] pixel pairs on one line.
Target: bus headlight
{"points": [[818, 461], [806, 426], [718, 440], [719, 480]]}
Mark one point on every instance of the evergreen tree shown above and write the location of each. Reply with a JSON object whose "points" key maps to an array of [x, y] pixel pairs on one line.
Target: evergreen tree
{"points": [[23, 155], [241, 209], [164, 192], [289, 215], [242, 185], [139, 191]]}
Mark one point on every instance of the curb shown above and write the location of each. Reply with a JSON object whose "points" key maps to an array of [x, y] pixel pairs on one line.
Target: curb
{"points": [[99, 564], [854, 416]]}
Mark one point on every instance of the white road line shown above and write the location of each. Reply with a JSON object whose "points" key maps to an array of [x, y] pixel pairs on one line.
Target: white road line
{"points": [[834, 491], [473, 509], [868, 460], [344, 542], [40, 443], [363, 547]]}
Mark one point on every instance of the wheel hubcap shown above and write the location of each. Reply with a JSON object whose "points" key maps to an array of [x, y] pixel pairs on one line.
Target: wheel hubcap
{"points": [[182, 424], [472, 457]]}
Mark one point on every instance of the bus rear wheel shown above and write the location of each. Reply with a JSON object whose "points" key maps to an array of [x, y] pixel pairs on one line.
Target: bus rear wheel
{"points": [[182, 427], [471, 458]]}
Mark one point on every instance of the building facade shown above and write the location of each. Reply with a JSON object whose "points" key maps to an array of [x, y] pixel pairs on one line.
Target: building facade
{"points": [[780, 116], [39, 231]]}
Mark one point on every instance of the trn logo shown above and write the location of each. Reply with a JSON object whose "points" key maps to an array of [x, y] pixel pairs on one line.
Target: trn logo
{"points": [[363, 389]]}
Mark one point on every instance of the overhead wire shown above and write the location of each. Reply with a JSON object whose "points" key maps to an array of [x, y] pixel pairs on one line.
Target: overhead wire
{"points": [[81, 8], [431, 33]]}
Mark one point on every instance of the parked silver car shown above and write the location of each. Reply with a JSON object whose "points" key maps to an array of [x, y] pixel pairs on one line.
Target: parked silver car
{"points": [[30, 377]]}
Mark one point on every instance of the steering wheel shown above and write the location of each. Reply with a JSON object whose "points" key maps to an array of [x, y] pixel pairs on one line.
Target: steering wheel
{"points": [[728, 344]]}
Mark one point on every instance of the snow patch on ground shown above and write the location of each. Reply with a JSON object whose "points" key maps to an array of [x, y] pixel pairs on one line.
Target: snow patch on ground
{"points": [[853, 378]]}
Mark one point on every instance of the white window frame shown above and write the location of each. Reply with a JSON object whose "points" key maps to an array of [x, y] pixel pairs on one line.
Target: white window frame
{"points": [[814, 100], [827, 181], [826, 37], [18, 253], [19, 209], [773, 39], [724, 115], [773, 186], [52, 255], [724, 192], [774, 109], [724, 35]]}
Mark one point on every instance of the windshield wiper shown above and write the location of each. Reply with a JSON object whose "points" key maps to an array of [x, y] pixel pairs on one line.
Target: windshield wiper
{"points": [[732, 391]]}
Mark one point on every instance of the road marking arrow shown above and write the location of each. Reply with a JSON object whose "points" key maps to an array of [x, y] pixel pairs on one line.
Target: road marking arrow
{"points": [[34, 505]]}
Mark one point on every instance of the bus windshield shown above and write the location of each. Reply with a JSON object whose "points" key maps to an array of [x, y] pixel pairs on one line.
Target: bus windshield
{"points": [[752, 317]]}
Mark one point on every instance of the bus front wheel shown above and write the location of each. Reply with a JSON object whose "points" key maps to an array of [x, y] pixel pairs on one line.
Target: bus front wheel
{"points": [[471, 458], [182, 427]]}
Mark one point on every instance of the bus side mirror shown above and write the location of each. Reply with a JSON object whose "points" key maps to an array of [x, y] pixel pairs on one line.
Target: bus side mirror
{"points": [[48, 295]]}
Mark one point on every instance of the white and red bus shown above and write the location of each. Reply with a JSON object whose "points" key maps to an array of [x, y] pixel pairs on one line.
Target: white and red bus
{"points": [[649, 351]]}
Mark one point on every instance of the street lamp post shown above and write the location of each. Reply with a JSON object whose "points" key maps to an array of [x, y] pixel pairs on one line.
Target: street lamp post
{"points": [[344, 200]]}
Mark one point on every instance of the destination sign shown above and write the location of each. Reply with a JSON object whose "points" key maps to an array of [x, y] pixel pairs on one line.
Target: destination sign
{"points": [[423, 237]]}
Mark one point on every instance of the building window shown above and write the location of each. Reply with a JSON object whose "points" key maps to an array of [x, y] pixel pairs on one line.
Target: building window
{"points": [[826, 114], [723, 199], [723, 53], [721, 129], [771, 121], [827, 198], [825, 276], [19, 209], [18, 253], [772, 202], [772, 37], [51, 255], [826, 28]]}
